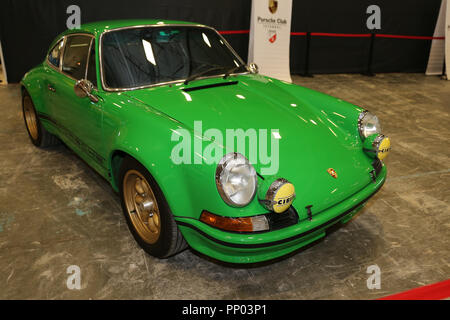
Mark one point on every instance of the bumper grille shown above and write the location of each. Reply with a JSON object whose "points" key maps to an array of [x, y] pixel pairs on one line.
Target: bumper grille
{"points": [[282, 220], [377, 165]]}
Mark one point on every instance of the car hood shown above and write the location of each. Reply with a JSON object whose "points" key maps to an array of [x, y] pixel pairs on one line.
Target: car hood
{"points": [[310, 143]]}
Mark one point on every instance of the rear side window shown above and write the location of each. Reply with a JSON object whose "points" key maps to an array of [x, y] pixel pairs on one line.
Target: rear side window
{"points": [[75, 56], [55, 54]]}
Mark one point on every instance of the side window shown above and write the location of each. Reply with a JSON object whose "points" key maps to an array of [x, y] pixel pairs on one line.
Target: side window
{"points": [[55, 54], [91, 71], [75, 56]]}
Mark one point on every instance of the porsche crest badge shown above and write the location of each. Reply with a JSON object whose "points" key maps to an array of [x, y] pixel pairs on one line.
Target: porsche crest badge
{"points": [[332, 173]]}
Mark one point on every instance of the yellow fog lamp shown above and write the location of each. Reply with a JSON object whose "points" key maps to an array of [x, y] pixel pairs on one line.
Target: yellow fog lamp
{"points": [[276, 196], [377, 146]]}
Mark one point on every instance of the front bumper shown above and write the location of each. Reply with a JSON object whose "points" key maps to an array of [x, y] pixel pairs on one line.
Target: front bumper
{"points": [[249, 248]]}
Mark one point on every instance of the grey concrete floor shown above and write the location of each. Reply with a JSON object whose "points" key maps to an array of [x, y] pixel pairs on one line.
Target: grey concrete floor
{"points": [[56, 212]]}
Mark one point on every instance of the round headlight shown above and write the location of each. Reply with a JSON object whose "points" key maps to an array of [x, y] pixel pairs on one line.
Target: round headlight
{"points": [[368, 124], [236, 180]]}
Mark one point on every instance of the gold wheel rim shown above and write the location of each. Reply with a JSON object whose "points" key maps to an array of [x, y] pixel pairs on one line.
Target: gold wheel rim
{"points": [[141, 205], [30, 117]]}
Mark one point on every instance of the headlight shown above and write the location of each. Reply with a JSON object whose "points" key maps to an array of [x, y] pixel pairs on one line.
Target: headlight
{"points": [[236, 180], [368, 124]]}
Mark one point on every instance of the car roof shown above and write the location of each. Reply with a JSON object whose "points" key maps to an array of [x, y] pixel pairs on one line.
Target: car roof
{"points": [[102, 26]]}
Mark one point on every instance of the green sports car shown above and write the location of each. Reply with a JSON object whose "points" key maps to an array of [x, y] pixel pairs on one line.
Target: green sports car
{"points": [[203, 150]]}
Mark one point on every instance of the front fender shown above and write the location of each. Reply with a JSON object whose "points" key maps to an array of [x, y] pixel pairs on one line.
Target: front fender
{"points": [[146, 134], [34, 83]]}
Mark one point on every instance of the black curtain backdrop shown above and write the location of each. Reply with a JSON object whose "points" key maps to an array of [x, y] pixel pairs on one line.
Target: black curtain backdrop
{"points": [[28, 26]]}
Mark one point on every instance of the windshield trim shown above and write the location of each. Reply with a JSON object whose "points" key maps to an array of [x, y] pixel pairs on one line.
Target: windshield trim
{"points": [[109, 89]]}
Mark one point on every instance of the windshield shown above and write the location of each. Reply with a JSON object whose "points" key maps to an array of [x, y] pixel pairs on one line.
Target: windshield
{"points": [[143, 56]]}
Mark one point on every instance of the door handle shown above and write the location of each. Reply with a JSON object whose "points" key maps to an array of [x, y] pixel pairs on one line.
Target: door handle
{"points": [[51, 88]]}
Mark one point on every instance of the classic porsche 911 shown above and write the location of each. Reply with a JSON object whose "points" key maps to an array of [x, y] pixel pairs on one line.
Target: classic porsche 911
{"points": [[119, 93]]}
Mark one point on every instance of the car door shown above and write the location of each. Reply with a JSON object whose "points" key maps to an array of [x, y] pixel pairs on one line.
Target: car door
{"points": [[80, 118]]}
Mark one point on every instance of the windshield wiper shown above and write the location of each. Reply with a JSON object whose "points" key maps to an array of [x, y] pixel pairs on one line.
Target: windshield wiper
{"points": [[232, 70], [199, 74]]}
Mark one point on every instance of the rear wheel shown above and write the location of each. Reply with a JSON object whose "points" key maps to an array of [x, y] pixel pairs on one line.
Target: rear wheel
{"points": [[37, 133], [147, 212]]}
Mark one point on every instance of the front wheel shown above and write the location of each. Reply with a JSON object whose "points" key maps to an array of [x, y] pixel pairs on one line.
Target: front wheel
{"points": [[147, 212]]}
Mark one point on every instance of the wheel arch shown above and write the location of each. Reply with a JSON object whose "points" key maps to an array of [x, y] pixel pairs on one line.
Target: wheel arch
{"points": [[22, 88], [115, 162], [117, 157], [178, 183], [156, 169], [32, 83]]}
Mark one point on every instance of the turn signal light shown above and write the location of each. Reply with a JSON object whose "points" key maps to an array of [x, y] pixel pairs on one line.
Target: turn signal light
{"points": [[244, 224]]}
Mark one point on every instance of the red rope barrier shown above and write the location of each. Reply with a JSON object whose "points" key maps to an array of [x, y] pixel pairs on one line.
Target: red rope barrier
{"points": [[394, 36], [345, 35], [234, 31], [298, 33]]}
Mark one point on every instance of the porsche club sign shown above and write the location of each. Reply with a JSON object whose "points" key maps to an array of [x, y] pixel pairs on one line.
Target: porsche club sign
{"points": [[270, 37]]}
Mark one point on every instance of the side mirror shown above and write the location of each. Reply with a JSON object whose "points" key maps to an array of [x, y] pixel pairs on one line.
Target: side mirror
{"points": [[83, 88], [253, 68]]}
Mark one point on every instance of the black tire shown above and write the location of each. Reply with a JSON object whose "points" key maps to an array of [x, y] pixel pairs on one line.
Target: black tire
{"points": [[170, 240], [38, 135]]}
